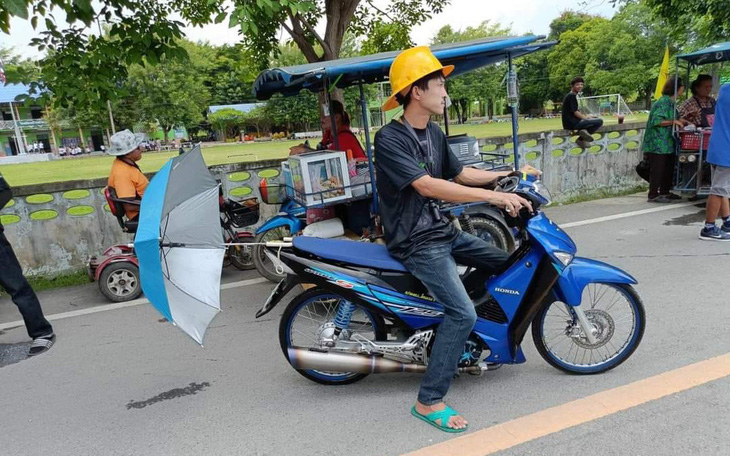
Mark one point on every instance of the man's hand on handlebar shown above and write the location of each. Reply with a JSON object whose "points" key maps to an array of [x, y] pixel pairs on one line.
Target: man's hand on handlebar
{"points": [[511, 203], [530, 171]]}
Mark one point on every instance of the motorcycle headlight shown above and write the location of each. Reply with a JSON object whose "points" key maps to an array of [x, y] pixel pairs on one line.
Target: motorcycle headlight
{"points": [[564, 257]]}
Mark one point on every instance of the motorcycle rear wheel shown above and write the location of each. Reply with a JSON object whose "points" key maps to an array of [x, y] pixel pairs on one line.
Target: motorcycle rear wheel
{"points": [[306, 314]]}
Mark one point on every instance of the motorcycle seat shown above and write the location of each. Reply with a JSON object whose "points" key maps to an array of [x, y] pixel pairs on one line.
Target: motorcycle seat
{"points": [[352, 252]]}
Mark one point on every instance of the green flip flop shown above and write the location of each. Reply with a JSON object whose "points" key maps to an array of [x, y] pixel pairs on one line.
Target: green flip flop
{"points": [[442, 415]]}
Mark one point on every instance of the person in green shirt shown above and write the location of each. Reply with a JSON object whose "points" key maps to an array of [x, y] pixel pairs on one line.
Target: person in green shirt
{"points": [[658, 144]]}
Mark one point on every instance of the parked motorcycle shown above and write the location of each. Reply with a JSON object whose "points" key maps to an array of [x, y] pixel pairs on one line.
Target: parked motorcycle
{"points": [[367, 314]]}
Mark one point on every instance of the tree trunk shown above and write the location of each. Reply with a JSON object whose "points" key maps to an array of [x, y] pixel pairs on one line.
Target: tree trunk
{"points": [[81, 138], [464, 105], [165, 131], [455, 107]]}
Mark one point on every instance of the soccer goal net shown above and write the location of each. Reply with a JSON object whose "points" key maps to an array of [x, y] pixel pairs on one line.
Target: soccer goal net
{"points": [[605, 106]]}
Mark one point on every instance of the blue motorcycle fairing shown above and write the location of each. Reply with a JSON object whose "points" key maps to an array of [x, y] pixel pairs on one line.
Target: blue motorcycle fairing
{"points": [[549, 235], [508, 289], [293, 223], [583, 271], [415, 312], [291, 207]]}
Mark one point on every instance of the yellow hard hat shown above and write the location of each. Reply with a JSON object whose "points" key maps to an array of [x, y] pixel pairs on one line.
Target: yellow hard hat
{"points": [[410, 66]]}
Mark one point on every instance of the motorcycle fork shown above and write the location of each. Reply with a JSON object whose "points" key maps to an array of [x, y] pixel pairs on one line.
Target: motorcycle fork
{"points": [[586, 325]]}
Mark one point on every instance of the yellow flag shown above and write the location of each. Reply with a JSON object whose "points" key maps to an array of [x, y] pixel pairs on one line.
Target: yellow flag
{"points": [[663, 75]]}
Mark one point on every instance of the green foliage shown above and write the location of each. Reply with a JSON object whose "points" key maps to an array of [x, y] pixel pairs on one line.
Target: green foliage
{"points": [[86, 68], [297, 113], [261, 21], [621, 55], [483, 85], [228, 121], [257, 119], [708, 20], [566, 22], [534, 78], [386, 36], [230, 75], [18, 69], [169, 94]]}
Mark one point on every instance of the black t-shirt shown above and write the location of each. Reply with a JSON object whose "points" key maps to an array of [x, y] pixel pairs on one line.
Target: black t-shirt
{"points": [[570, 105], [408, 221]]}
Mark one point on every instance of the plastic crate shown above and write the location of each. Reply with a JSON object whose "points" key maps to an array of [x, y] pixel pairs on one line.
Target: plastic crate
{"points": [[690, 140]]}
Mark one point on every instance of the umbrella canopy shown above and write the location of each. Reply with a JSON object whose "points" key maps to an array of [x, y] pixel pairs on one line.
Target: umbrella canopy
{"points": [[179, 244]]}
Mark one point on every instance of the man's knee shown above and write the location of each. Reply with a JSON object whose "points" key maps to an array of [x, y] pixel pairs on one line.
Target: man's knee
{"points": [[471, 316], [467, 314]]}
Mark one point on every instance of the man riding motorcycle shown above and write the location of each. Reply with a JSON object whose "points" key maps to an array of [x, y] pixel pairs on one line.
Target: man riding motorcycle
{"points": [[414, 164]]}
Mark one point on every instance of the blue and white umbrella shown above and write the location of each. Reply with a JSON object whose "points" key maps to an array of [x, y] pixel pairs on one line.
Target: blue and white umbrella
{"points": [[179, 244]]}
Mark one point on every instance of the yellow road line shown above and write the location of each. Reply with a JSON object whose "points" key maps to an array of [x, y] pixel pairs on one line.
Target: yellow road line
{"points": [[568, 415]]}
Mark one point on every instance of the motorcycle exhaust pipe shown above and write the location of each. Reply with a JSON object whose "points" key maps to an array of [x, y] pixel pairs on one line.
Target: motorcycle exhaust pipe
{"points": [[304, 359]]}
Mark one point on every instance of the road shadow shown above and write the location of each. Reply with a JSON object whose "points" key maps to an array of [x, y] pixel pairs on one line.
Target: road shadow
{"points": [[13, 353]]}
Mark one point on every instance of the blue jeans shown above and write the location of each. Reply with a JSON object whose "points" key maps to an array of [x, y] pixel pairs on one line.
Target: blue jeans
{"points": [[590, 125], [13, 281], [435, 266]]}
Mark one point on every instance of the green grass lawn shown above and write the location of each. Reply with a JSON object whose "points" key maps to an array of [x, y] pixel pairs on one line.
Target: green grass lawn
{"points": [[95, 167]]}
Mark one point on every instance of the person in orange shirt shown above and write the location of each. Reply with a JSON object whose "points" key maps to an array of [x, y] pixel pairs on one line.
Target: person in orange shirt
{"points": [[126, 178]]}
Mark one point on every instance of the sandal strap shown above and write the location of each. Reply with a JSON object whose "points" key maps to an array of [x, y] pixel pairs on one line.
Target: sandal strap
{"points": [[443, 415]]}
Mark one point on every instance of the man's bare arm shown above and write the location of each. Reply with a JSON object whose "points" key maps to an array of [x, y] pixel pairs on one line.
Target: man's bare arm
{"points": [[478, 177], [444, 190]]}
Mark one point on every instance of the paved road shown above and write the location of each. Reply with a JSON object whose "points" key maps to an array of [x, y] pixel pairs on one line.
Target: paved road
{"points": [[124, 382]]}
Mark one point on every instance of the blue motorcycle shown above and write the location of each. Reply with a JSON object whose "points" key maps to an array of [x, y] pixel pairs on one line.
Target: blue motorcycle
{"points": [[367, 314]]}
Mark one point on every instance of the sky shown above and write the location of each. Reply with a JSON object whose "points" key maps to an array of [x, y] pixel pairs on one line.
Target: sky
{"points": [[524, 16]]}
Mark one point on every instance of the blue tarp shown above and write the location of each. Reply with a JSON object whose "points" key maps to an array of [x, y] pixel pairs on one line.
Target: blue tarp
{"points": [[465, 56], [719, 52]]}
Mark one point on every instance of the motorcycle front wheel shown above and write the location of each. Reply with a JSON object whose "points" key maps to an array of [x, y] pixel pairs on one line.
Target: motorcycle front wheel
{"points": [[617, 317]]}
